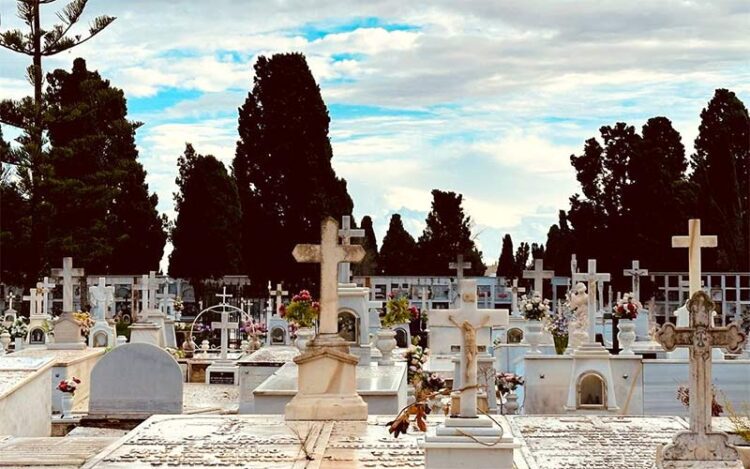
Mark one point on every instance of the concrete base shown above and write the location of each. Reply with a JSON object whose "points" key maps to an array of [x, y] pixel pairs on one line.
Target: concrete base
{"points": [[146, 333], [223, 373], [325, 407], [170, 338], [66, 346], [475, 441]]}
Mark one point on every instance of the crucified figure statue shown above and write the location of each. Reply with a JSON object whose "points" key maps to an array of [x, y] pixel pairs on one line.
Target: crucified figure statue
{"points": [[470, 349]]}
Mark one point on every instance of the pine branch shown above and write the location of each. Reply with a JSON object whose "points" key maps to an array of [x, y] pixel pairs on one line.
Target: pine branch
{"points": [[65, 43], [14, 40]]}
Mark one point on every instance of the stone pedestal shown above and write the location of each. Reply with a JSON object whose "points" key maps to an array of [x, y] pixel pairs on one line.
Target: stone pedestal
{"points": [[146, 333], [170, 338], [327, 383], [67, 334], [698, 451], [102, 335], [473, 441], [591, 359]]}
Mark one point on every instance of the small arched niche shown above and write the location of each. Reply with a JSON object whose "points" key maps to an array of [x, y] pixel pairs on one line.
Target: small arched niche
{"points": [[348, 326], [515, 336], [402, 338], [278, 336], [592, 391]]}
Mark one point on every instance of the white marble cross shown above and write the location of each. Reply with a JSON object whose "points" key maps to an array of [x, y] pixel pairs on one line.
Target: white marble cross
{"points": [[346, 233], [694, 241], [11, 297], [539, 274], [101, 296], [468, 319], [700, 337], [224, 326], [32, 299], [514, 291], [68, 273], [47, 287], [224, 295], [165, 299], [636, 273], [143, 288], [153, 287], [592, 277], [424, 295], [280, 294], [329, 254], [39, 300], [459, 266], [573, 266]]}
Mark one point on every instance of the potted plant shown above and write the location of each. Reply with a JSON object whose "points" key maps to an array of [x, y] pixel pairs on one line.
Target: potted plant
{"points": [[507, 383], [18, 330], [626, 311], [397, 311], [254, 331], [68, 388], [303, 312], [558, 327], [86, 321], [534, 310]]}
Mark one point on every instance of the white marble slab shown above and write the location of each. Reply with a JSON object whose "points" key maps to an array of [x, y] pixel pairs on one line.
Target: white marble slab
{"points": [[21, 363], [382, 387]]}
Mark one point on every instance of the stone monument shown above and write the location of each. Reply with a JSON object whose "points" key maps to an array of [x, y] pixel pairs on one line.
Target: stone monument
{"points": [[326, 370], [148, 328], [102, 334], [68, 333], [223, 370]]}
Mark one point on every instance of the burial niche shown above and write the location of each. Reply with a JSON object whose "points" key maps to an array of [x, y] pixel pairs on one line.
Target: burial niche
{"points": [[402, 338], [37, 336], [278, 336], [348, 326], [515, 336], [592, 391], [100, 339]]}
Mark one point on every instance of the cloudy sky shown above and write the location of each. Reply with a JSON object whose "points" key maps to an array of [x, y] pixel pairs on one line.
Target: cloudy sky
{"points": [[485, 98]]}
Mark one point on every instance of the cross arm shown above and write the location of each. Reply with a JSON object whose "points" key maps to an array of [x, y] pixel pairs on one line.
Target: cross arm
{"points": [[703, 241], [306, 253], [670, 336], [730, 337]]}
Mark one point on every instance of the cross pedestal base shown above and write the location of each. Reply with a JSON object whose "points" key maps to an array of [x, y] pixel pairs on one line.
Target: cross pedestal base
{"points": [[146, 333], [696, 450], [474, 439], [327, 385], [591, 358]]}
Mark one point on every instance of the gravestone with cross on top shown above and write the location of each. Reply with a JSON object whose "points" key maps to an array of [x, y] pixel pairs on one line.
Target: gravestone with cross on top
{"points": [[279, 293], [459, 266], [514, 291], [346, 233], [102, 333], [700, 445], [327, 388], [465, 435], [10, 314], [68, 274], [539, 275], [591, 278], [225, 325]]}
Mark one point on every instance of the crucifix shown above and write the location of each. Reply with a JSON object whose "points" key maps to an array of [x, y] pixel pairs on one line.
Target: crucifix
{"points": [[280, 294], [329, 254], [700, 443], [153, 287], [101, 297], [346, 233], [539, 274], [224, 326], [469, 319], [592, 277], [636, 273], [694, 241], [459, 266], [68, 273], [514, 291]]}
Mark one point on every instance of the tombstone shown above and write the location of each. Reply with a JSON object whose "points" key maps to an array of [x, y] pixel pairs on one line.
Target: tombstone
{"points": [[68, 274], [68, 335], [10, 314], [700, 446], [539, 274], [278, 335], [37, 336], [326, 370], [102, 334], [136, 381], [149, 329], [223, 370], [514, 291], [467, 436]]}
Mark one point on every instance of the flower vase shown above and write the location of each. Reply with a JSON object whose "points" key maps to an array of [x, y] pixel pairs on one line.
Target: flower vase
{"points": [[561, 343], [626, 336], [534, 336], [511, 403], [66, 405], [386, 343], [4, 342], [18, 344], [304, 335]]}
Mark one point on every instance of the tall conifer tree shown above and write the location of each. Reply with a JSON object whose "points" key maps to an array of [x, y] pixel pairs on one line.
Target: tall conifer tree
{"points": [[398, 254], [506, 264]]}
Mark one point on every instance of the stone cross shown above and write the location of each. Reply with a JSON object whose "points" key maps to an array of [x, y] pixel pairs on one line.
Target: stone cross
{"points": [[573, 265], [143, 288], [468, 319], [459, 266], [224, 295], [592, 277], [346, 233], [514, 291], [32, 299], [47, 287], [68, 273], [165, 299], [101, 296], [694, 241], [636, 273], [700, 443], [153, 287], [11, 297], [39, 300], [269, 309], [539, 274], [329, 254], [224, 326], [424, 295], [280, 294]]}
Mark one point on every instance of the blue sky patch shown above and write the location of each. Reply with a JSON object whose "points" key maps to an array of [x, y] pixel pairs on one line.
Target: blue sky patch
{"points": [[164, 99], [321, 29]]}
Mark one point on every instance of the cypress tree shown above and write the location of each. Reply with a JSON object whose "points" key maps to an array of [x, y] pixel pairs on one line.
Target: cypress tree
{"points": [[368, 266], [506, 264], [205, 236], [398, 254]]}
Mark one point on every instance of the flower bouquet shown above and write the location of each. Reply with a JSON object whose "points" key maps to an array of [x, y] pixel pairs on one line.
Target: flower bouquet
{"points": [[558, 326], [302, 310], [178, 304], [416, 357], [69, 386], [397, 311], [508, 382], [627, 307], [86, 321], [535, 308], [18, 329]]}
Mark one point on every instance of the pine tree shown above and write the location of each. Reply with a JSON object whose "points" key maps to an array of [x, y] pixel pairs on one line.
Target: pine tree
{"points": [[28, 113], [721, 169], [398, 254], [560, 245], [369, 265], [14, 225], [506, 263], [205, 236], [283, 170], [103, 214], [447, 234]]}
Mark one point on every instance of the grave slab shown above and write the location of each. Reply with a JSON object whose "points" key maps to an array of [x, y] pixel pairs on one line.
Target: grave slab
{"points": [[51, 452], [259, 366]]}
